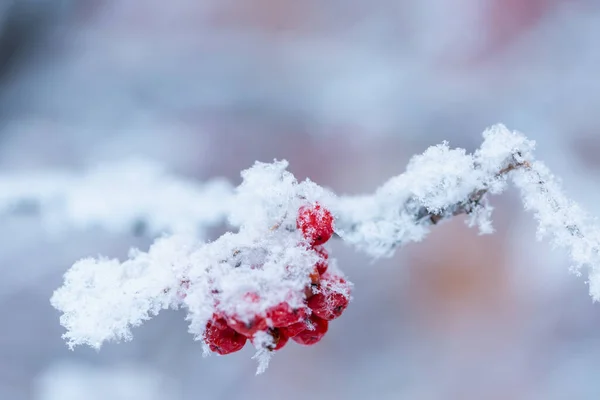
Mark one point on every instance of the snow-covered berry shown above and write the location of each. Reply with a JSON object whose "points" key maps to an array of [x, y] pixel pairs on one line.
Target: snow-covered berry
{"points": [[221, 339], [322, 264], [314, 333], [279, 339], [316, 223], [283, 315], [294, 329], [331, 299], [245, 326]]}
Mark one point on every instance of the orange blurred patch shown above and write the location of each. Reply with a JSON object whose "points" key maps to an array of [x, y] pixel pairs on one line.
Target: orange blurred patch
{"points": [[457, 276]]}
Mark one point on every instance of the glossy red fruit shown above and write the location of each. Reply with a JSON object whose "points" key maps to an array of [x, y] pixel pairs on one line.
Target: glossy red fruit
{"points": [[322, 264], [294, 329], [279, 339], [316, 223], [283, 315], [332, 298], [248, 327], [221, 339], [311, 336]]}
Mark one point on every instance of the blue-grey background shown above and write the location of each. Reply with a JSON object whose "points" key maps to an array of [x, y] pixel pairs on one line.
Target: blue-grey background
{"points": [[346, 91]]}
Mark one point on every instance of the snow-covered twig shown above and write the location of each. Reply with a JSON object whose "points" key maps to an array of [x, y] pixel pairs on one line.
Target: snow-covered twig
{"points": [[102, 299], [437, 185], [569, 226], [133, 196]]}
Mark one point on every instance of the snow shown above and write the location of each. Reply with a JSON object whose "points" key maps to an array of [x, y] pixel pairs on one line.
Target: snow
{"points": [[126, 196]]}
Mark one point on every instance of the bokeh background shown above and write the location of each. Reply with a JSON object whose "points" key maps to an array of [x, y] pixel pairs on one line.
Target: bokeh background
{"points": [[346, 91]]}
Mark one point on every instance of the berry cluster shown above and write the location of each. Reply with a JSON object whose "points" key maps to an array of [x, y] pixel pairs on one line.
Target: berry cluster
{"points": [[324, 299]]}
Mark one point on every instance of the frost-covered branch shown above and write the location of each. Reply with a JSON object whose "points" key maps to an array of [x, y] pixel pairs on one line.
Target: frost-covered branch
{"points": [[243, 282], [131, 196], [568, 225], [437, 185]]}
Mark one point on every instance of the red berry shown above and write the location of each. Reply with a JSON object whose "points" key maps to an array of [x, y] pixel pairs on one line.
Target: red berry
{"points": [[217, 322], [222, 339], [279, 339], [311, 336], [324, 256], [332, 299], [248, 327], [316, 223], [294, 329], [283, 315]]}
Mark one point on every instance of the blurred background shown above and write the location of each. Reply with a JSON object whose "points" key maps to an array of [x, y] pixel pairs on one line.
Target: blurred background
{"points": [[346, 91]]}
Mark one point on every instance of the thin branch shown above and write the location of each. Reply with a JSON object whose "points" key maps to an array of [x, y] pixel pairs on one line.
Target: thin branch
{"points": [[472, 203], [437, 185]]}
